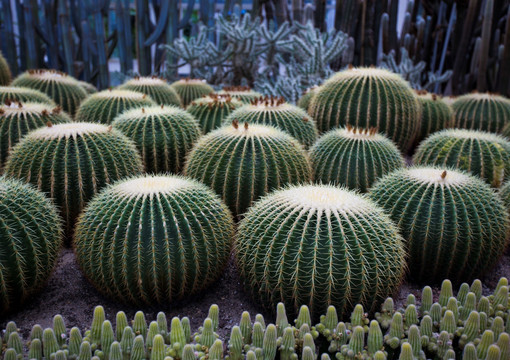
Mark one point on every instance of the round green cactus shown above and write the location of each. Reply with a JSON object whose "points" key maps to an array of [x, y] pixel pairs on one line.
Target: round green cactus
{"points": [[243, 162], [158, 90], [453, 223], [319, 245], [72, 162], [504, 192], [14, 93], [62, 88], [305, 100], [191, 89], [484, 154], [153, 239], [436, 115], [485, 112], [104, 106], [211, 110], [5, 72], [89, 88], [163, 135], [368, 97], [243, 93], [355, 158], [30, 241], [17, 119], [276, 112]]}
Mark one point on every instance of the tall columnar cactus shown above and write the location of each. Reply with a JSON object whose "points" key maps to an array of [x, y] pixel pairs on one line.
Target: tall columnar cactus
{"points": [[72, 162], [14, 93], [244, 162], [191, 89], [319, 245], [65, 90], [17, 119], [88, 87], [167, 237], [163, 135], [212, 110], [454, 225], [305, 100], [31, 239], [436, 115], [355, 158], [104, 106], [5, 72], [158, 90], [276, 112], [243, 93], [478, 111], [368, 97], [484, 154]]}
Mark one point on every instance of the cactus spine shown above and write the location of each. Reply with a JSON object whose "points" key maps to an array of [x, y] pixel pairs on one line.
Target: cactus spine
{"points": [[212, 110], [486, 112], [157, 89], [436, 115], [243, 93], [89, 88], [5, 72], [191, 89], [305, 100], [22, 94]]}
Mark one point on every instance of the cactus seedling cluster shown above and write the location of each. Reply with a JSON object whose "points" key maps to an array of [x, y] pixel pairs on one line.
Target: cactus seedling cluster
{"points": [[157, 89], [5, 72], [355, 158], [243, 93], [436, 114], [242, 162], [212, 110], [14, 93], [454, 225], [191, 89], [163, 135], [487, 112], [168, 236]]}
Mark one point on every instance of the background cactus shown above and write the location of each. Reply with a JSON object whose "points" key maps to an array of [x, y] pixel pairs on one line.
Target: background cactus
{"points": [[454, 225], [243, 162], [5, 72], [282, 237], [163, 135], [89, 88], [305, 100], [211, 110], [104, 106], [158, 90], [72, 162], [177, 250], [436, 115], [355, 158], [504, 192], [276, 112], [487, 112], [243, 93], [483, 154], [31, 239], [17, 119], [14, 93], [60, 87], [191, 89], [368, 97]]}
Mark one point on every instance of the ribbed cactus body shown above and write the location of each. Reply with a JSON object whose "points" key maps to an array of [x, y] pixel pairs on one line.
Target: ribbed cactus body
{"points": [[212, 110], [14, 93], [355, 158], [163, 135], [104, 106], [485, 112], [275, 112], [243, 93], [60, 87], [305, 100], [89, 88], [483, 154], [368, 97], [243, 162], [5, 72], [72, 162], [153, 239], [454, 225], [319, 245], [191, 89], [504, 193], [30, 239], [436, 115], [157, 89], [17, 119]]}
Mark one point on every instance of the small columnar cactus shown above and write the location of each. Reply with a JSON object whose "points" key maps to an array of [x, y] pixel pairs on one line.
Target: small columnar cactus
{"points": [[368, 97], [243, 162], [212, 110], [454, 225], [276, 112], [72, 162], [169, 237], [14, 93], [243, 93], [89, 88], [305, 100], [296, 246], [30, 242], [163, 135], [158, 90], [65, 90], [104, 106], [483, 154], [436, 115], [191, 89], [17, 119], [5, 72], [355, 158], [487, 112]]}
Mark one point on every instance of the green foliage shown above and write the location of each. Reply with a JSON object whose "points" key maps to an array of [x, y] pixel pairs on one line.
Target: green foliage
{"points": [[436, 115], [5, 72], [180, 235], [485, 112], [157, 89], [191, 89], [211, 110], [22, 94]]}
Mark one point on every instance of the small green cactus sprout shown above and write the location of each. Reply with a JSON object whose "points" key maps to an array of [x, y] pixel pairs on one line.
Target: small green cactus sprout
{"points": [[357, 315], [121, 322], [115, 352], [305, 100], [436, 114], [36, 332], [448, 323], [10, 354], [59, 328], [214, 315], [107, 337], [487, 112], [493, 353], [288, 344], [281, 318], [269, 344], [260, 318], [243, 93], [191, 89], [468, 307], [88, 87], [426, 299], [246, 327], [476, 288], [158, 348], [446, 291], [216, 350], [504, 345], [498, 326], [60, 355], [98, 319], [35, 350], [426, 326], [375, 337], [462, 293], [75, 340], [486, 341], [128, 337], [385, 316], [235, 344], [188, 353], [50, 345], [411, 315], [471, 328], [331, 319], [469, 352], [380, 356], [257, 335], [5, 71], [436, 249], [186, 328], [153, 331], [354, 157], [406, 352], [212, 110], [303, 317], [207, 337], [157, 89], [140, 324], [138, 349], [22, 94], [14, 342], [163, 326], [396, 332], [357, 341], [177, 336]]}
